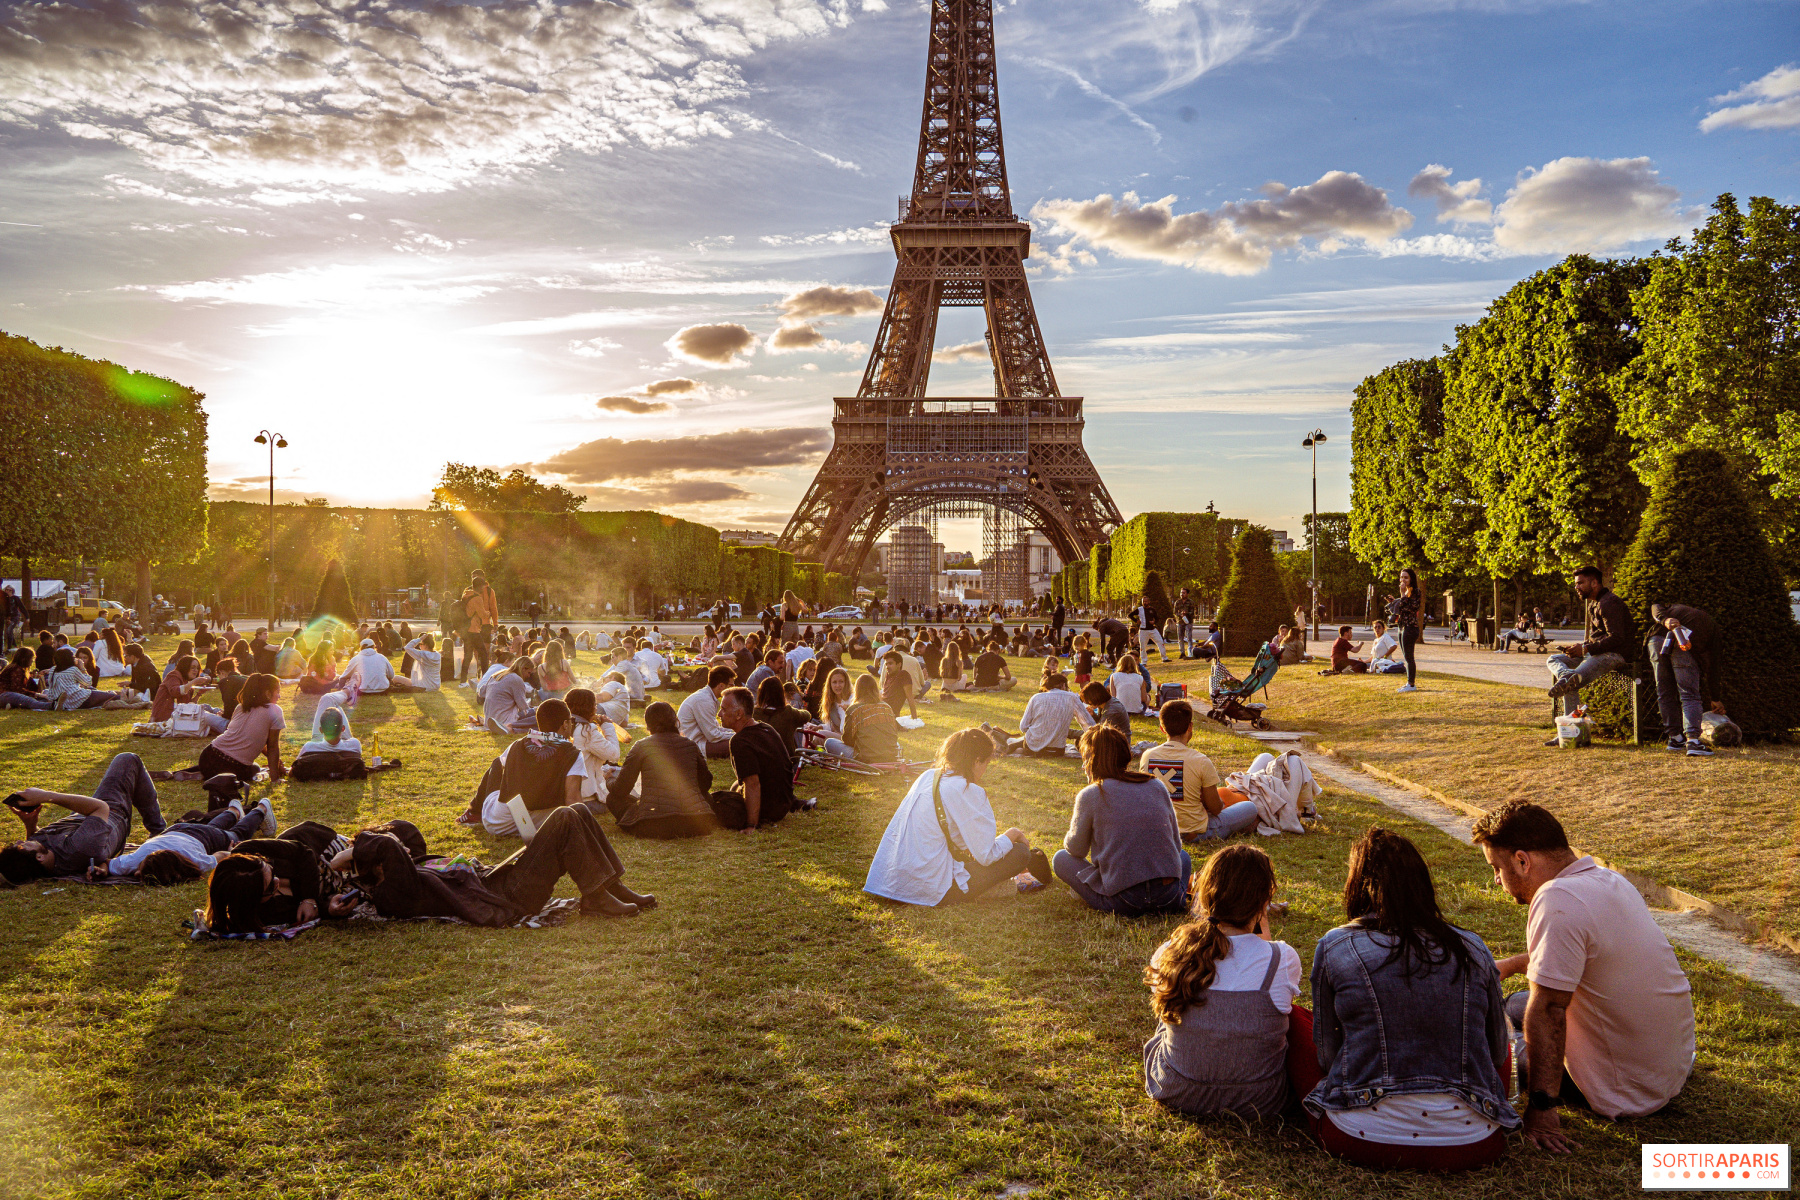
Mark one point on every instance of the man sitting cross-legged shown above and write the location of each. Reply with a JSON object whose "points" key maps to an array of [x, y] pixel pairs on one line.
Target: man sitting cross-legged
{"points": [[1044, 725], [95, 831], [545, 768], [1609, 1020], [698, 716], [1203, 809], [764, 791], [405, 882]]}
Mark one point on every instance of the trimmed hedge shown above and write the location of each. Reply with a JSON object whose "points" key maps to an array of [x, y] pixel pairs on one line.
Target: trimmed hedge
{"points": [[1255, 600]]}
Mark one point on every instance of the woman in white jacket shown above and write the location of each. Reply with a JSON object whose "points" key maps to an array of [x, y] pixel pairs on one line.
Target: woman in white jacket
{"points": [[943, 845]]}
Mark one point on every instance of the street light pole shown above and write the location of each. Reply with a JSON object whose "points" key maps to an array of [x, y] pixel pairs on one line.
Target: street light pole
{"points": [[274, 441], [1312, 443]]}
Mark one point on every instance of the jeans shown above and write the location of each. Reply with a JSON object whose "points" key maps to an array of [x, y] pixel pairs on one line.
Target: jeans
{"points": [[842, 750], [1184, 631], [222, 830], [22, 700], [1409, 640], [569, 842], [1585, 671], [1232, 820], [982, 878], [1677, 678], [125, 786], [217, 762], [475, 646], [1146, 897], [1510, 636]]}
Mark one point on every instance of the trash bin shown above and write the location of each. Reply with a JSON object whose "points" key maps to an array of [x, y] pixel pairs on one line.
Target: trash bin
{"points": [[1485, 634]]}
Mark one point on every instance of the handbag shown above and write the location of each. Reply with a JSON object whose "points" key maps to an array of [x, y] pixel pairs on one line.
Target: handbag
{"points": [[937, 801], [185, 721]]}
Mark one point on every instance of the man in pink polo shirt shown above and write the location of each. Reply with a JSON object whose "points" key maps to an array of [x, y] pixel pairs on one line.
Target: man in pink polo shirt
{"points": [[1609, 1020]]}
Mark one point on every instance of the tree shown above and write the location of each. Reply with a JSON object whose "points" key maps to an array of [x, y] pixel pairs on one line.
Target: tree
{"points": [[1720, 367], [1531, 432], [1397, 420], [1177, 545], [483, 489], [334, 600], [1160, 600], [1343, 579], [1699, 544], [1255, 604], [98, 462]]}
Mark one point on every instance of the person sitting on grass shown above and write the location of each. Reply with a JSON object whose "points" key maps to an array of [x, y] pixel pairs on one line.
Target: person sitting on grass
{"points": [[1204, 809], [673, 781], [870, 728], [254, 731], [1384, 656], [992, 674], [1127, 686], [896, 685], [773, 710], [770, 668], [1044, 725], [943, 845], [321, 671], [18, 683], [951, 672], [184, 685], [1104, 707], [426, 672], [763, 791], [1608, 1022], [289, 662], [71, 688], [594, 734], [189, 849], [144, 678], [1223, 991], [698, 715], [1341, 650], [1411, 1037], [506, 698], [403, 881], [183, 649], [1123, 852], [543, 768], [95, 831]]}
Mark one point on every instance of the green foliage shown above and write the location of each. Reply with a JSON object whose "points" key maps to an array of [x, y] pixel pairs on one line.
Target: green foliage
{"points": [[1699, 544], [485, 489], [757, 575], [1721, 362], [334, 601], [1181, 546], [1531, 436], [1255, 604], [1099, 560], [1161, 602], [97, 461], [1397, 421]]}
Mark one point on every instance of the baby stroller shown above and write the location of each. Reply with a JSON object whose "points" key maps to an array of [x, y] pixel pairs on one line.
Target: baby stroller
{"points": [[1231, 698]]}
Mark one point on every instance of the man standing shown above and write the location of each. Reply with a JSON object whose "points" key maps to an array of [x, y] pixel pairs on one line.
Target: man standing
{"points": [[698, 717], [764, 791], [481, 612], [1606, 645], [1184, 621], [1685, 660], [12, 616], [1609, 1021], [1149, 626], [1057, 616]]}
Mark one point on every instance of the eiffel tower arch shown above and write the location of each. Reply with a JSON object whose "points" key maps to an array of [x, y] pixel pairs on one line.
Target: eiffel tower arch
{"points": [[898, 453]]}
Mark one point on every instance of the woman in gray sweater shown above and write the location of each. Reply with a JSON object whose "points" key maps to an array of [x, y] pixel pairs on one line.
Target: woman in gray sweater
{"points": [[1123, 852]]}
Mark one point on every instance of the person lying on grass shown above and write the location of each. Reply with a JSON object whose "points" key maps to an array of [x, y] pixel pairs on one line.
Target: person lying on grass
{"points": [[254, 730], [270, 881], [544, 768], [1411, 1038], [95, 831], [1204, 807], [394, 871], [1223, 991], [189, 849], [1123, 852], [1609, 1021], [942, 845]]}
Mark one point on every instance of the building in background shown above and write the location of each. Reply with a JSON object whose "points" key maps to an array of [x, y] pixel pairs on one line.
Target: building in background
{"points": [[913, 565], [748, 537], [1283, 543]]}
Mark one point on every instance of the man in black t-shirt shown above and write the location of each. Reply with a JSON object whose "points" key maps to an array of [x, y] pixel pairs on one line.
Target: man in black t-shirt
{"points": [[764, 791], [97, 828], [991, 671]]}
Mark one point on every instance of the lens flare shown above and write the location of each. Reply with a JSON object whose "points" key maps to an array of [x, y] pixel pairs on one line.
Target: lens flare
{"points": [[476, 528], [143, 389]]}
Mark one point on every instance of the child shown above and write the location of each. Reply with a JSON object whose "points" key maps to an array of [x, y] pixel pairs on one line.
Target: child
{"points": [[1084, 660]]}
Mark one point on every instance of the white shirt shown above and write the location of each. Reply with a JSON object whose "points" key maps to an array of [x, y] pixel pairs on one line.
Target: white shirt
{"points": [[487, 677], [320, 744], [598, 742], [1045, 721], [796, 656], [1385, 645], [634, 678], [1127, 687], [184, 844], [1242, 970], [373, 670], [601, 641], [426, 666], [913, 862], [497, 819], [652, 665], [698, 719]]}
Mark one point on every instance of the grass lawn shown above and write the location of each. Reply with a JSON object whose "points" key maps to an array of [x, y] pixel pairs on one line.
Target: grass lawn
{"points": [[1725, 828], [769, 1030]]}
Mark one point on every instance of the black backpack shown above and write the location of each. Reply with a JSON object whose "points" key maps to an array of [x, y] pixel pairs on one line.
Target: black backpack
{"points": [[322, 766]]}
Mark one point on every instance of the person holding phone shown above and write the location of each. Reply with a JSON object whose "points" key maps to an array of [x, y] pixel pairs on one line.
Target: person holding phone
{"points": [[95, 830]]}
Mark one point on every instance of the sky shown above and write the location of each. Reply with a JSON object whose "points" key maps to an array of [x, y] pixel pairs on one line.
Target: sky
{"points": [[637, 248]]}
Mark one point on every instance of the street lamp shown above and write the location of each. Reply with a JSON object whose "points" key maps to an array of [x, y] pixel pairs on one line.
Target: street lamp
{"points": [[275, 442], [1312, 443]]}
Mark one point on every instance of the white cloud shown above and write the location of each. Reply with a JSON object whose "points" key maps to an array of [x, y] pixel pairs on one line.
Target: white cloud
{"points": [[1459, 202], [867, 235], [1772, 102], [298, 97], [336, 286], [967, 352], [592, 347], [1238, 237], [605, 319], [1089, 89], [828, 301], [1576, 205]]}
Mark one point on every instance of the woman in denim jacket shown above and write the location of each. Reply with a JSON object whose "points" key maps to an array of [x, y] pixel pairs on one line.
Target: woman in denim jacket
{"points": [[1408, 1024]]}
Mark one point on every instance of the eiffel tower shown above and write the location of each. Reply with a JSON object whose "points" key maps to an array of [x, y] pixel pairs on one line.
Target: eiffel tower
{"points": [[1016, 457]]}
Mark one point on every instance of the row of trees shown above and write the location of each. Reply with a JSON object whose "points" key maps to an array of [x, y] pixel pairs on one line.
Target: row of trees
{"points": [[1184, 550], [99, 463], [1525, 449]]}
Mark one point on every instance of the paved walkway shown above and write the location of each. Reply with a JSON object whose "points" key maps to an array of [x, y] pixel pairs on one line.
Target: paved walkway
{"points": [[1522, 668]]}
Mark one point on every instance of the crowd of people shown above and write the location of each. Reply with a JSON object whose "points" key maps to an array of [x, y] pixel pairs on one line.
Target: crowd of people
{"points": [[1407, 1057]]}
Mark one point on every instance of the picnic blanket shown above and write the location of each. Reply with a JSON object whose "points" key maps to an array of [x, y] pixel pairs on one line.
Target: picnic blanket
{"points": [[161, 729], [556, 912]]}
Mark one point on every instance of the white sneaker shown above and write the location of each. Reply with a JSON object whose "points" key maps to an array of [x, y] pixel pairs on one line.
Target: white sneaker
{"points": [[1406, 687], [269, 828], [236, 806]]}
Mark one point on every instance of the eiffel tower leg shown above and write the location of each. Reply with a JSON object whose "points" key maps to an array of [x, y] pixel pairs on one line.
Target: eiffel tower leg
{"points": [[900, 363], [1021, 367]]}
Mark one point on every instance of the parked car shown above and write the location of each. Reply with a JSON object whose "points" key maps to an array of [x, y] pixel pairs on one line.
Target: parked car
{"points": [[843, 612]]}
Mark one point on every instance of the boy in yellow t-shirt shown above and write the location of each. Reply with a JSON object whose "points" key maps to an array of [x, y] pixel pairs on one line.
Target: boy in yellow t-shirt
{"points": [[1202, 808]]}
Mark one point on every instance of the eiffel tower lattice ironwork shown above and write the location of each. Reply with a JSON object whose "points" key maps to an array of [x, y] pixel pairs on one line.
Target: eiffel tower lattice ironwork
{"points": [[899, 454]]}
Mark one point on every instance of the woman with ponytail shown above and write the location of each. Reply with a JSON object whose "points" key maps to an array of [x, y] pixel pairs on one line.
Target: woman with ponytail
{"points": [[1223, 991]]}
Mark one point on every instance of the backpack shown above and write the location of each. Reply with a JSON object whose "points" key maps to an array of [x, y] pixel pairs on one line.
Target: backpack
{"points": [[1166, 692], [321, 766]]}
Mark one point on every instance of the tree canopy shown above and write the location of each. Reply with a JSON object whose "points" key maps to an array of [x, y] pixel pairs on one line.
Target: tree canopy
{"points": [[483, 489]]}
